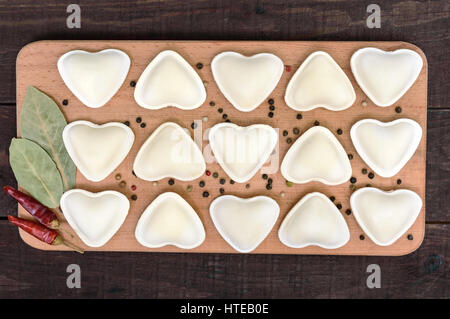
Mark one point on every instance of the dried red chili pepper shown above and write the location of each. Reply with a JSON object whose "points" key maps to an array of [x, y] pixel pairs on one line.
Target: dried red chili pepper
{"points": [[42, 213], [44, 234]]}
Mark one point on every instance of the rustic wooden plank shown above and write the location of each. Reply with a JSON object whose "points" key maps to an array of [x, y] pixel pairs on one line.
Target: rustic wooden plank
{"points": [[36, 65], [27, 272], [424, 23], [438, 177]]}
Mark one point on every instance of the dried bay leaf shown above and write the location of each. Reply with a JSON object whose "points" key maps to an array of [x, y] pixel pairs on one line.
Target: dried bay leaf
{"points": [[35, 171], [42, 121]]}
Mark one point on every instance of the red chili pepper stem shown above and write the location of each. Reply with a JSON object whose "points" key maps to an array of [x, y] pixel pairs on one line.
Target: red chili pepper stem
{"points": [[60, 241]]}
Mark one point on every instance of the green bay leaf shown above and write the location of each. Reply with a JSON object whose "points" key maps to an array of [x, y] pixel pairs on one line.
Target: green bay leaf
{"points": [[42, 121], [35, 171]]}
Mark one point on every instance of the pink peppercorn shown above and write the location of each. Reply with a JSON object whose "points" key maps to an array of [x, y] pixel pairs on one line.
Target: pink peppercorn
{"points": [[133, 187], [208, 173]]}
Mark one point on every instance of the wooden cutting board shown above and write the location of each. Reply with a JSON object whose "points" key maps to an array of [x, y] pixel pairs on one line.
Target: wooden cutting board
{"points": [[36, 65]]}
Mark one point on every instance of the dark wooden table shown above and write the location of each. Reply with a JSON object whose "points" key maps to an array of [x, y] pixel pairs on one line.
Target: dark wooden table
{"points": [[26, 272]]}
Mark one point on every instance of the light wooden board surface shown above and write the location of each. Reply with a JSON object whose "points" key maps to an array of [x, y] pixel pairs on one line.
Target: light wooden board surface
{"points": [[36, 65]]}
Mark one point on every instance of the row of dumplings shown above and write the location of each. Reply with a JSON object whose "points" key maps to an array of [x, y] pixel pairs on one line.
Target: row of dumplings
{"points": [[169, 80], [243, 223], [317, 155]]}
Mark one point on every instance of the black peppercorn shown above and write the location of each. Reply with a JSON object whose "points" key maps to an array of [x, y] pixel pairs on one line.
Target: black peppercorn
{"points": [[289, 140], [361, 237], [222, 181], [205, 194], [350, 156], [410, 237], [264, 176], [398, 109], [353, 180], [65, 102], [348, 212], [271, 101], [143, 125], [299, 116], [247, 185], [316, 123], [269, 187], [399, 181], [215, 174], [202, 184], [220, 110], [332, 198], [285, 133], [224, 116], [270, 181], [228, 121], [212, 103], [231, 182], [222, 191], [132, 84], [339, 131], [371, 175], [127, 123], [272, 108], [270, 114], [364, 171], [133, 197], [138, 119], [296, 130], [339, 206], [171, 181], [199, 65], [194, 125]]}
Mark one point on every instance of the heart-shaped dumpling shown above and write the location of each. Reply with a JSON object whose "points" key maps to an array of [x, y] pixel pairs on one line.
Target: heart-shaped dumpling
{"points": [[169, 80], [242, 151], [170, 220], [385, 216], [97, 150], [385, 76], [314, 220], [319, 82], [169, 152], [244, 223], [386, 147], [246, 81], [317, 155], [94, 78], [95, 217]]}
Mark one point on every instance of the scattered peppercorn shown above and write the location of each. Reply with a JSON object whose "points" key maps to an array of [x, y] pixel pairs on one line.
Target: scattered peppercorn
{"points": [[287, 68], [371, 175], [215, 174], [205, 119], [270, 181], [133, 84], [228, 121], [339, 131], [122, 184], [353, 180], [127, 123], [220, 110], [364, 103], [171, 181], [271, 101], [199, 65], [221, 191], [212, 103], [285, 133], [208, 173], [189, 188], [348, 212], [399, 181], [296, 131], [339, 206], [224, 116], [272, 108], [205, 194], [289, 184], [133, 197], [361, 237], [264, 176], [65, 102], [269, 187], [247, 185], [350, 156], [299, 116], [364, 171], [368, 185], [352, 187], [270, 114], [143, 125], [231, 182], [316, 123], [193, 125], [133, 187], [410, 237], [332, 198], [118, 176], [132, 172], [289, 140], [155, 183], [138, 119], [202, 184], [398, 109], [222, 181]]}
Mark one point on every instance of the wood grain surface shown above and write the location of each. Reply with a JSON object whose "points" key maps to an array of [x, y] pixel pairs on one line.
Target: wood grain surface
{"points": [[37, 65], [27, 272]]}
